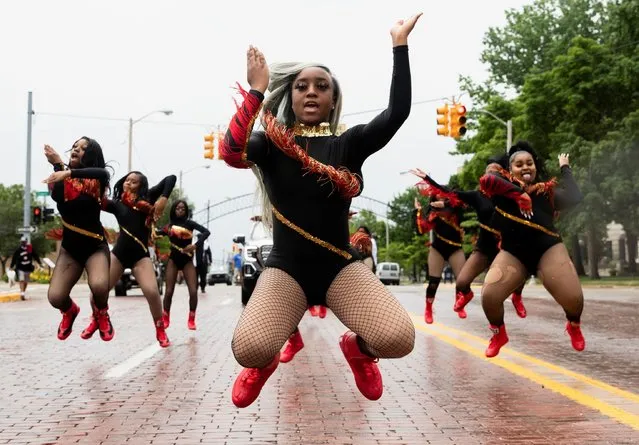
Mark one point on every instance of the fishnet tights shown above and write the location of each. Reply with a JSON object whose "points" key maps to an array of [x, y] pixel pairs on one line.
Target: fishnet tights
{"points": [[276, 307], [366, 307]]}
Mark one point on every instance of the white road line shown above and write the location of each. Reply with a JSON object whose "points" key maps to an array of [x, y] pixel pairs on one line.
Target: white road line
{"points": [[133, 361]]}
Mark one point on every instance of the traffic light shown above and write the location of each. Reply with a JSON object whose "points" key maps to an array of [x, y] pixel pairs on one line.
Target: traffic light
{"points": [[37, 216], [457, 121], [209, 147], [442, 121], [220, 138], [48, 215]]}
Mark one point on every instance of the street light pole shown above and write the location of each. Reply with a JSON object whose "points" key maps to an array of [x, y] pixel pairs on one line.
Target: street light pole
{"points": [[26, 215], [188, 171], [508, 124], [131, 122]]}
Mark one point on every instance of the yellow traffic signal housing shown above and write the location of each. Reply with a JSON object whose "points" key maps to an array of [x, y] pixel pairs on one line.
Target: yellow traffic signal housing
{"points": [[209, 146], [457, 121], [442, 121]]}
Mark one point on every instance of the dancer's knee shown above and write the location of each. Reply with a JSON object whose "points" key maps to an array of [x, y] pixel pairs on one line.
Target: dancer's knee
{"points": [[433, 284], [252, 351]]}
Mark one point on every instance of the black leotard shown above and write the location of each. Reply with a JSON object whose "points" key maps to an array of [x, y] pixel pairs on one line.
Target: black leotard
{"points": [[447, 235], [180, 233], [132, 244], [314, 205], [79, 200], [488, 241], [526, 239]]}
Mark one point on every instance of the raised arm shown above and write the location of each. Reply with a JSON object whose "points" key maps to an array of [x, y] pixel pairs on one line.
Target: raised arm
{"points": [[240, 148], [567, 193], [204, 232], [100, 174], [162, 188], [495, 185]]}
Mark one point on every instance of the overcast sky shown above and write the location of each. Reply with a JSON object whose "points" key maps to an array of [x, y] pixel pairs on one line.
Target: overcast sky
{"points": [[121, 59]]}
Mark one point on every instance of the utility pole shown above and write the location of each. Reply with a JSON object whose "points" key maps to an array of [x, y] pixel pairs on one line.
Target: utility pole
{"points": [[130, 163], [26, 219]]}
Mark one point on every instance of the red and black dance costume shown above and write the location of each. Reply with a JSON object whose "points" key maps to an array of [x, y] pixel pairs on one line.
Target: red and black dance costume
{"points": [[180, 233], [447, 236], [310, 179], [135, 218], [487, 242], [79, 200], [529, 239], [362, 243]]}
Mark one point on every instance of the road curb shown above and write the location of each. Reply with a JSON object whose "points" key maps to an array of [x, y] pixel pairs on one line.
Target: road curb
{"points": [[9, 297]]}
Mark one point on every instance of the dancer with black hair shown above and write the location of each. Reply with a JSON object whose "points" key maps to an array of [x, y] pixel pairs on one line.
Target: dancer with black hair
{"points": [[79, 191], [525, 206], [310, 176], [180, 232], [137, 207], [487, 244], [443, 217]]}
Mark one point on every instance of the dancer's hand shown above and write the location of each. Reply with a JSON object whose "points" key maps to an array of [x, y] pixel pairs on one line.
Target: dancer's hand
{"points": [[57, 177], [401, 29], [525, 205], [438, 204], [158, 208], [564, 159], [189, 249], [418, 205], [52, 156], [418, 172], [257, 73]]}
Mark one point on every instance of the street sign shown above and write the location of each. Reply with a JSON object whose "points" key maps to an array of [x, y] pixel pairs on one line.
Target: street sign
{"points": [[44, 193], [32, 229]]}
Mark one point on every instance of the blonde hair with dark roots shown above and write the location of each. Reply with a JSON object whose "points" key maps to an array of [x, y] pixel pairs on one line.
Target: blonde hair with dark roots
{"points": [[280, 104]]}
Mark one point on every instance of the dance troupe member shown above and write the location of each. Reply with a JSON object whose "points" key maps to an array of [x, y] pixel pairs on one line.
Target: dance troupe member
{"points": [[531, 245], [487, 244], [79, 190], [361, 242], [443, 218], [310, 177], [136, 208], [180, 232]]}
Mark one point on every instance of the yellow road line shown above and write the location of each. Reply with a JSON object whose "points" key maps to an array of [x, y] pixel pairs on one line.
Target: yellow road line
{"points": [[6, 298], [575, 375], [580, 397]]}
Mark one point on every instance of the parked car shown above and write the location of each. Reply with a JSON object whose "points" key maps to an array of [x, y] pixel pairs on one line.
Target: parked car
{"points": [[255, 252], [127, 281], [388, 273], [219, 276]]}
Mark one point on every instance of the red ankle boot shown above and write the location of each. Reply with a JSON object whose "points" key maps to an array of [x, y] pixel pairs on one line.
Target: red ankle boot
{"points": [[576, 337], [191, 322], [293, 346], [314, 311], [91, 328], [250, 381], [519, 305], [166, 318], [461, 300], [322, 312], [499, 339], [160, 334], [367, 376], [104, 325], [428, 314], [68, 317]]}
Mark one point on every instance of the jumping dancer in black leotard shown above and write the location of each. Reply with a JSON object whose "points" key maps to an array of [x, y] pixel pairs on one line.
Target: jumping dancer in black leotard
{"points": [[530, 244], [443, 218], [79, 191], [487, 245], [136, 207], [310, 177], [180, 233]]}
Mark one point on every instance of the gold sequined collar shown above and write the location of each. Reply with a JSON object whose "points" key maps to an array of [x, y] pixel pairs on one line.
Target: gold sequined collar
{"points": [[315, 131]]}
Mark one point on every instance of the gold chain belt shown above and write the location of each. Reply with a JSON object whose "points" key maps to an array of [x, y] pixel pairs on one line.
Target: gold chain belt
{"points": [[82, 231], [489, 229], [136, 239], [181, 250], [527, 223], [310, 237], [452, 243]]}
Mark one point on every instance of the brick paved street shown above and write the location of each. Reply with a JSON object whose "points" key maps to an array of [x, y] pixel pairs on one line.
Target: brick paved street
{"points": [[538, 391]]}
